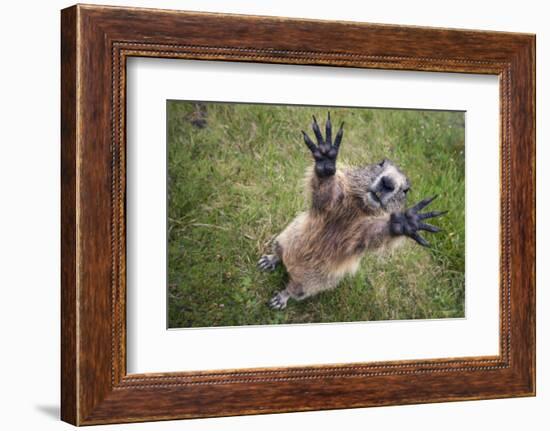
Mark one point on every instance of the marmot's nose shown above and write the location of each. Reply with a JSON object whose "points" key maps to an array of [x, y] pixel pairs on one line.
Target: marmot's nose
{"points": [[387, 184]]}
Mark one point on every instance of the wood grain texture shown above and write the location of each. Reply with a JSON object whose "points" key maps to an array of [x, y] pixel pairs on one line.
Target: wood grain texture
{"points": [[96, 41], [69, 397]]}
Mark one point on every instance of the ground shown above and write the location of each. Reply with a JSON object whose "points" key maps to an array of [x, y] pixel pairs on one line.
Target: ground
{"points": [[235, 181]]}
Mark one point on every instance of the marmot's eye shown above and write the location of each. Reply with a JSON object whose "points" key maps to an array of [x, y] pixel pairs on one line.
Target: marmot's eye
{"points": [[406, 190], [382, 163]]}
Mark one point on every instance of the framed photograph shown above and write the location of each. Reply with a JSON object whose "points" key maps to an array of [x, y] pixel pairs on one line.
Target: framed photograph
{"points": [[264, 214]]}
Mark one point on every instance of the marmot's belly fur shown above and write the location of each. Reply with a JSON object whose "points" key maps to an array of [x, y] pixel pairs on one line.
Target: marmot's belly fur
{"points": [[318, 252]]}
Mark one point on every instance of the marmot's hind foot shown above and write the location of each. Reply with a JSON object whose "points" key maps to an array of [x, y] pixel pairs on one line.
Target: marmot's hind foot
{"points": [[268, 262], [278, 302]]}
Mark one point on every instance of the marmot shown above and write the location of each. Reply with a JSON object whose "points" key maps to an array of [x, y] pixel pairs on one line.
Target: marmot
{"points": [[352, 211]]}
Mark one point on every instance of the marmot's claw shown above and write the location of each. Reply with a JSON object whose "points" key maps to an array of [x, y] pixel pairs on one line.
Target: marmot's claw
{"points": [[431, 214], [278, 302], [326, 151], [268, 262], [423, 203], [409, 223], [420, 240], [428, 227]]}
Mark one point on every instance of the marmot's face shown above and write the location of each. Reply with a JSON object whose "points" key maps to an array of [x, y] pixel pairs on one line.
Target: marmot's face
{"points": [[385, 188]]}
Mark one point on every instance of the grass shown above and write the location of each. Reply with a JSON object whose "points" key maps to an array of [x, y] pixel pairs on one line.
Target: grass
{"points": [[237, 182]]}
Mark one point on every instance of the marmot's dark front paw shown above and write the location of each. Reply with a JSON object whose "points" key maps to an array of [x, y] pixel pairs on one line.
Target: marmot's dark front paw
{"points": [[408, 223], [279, 300], [325, 152], [268, 262]]}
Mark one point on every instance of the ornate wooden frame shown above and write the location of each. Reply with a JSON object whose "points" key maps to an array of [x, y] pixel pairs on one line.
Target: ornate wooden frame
{"points": [[95, 43]]}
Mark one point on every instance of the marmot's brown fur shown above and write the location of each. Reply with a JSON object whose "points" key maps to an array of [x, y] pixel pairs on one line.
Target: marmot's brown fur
{"points": [[352, 211]]}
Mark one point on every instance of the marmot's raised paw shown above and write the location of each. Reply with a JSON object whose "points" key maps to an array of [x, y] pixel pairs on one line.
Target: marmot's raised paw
{"points": [[268, 262], [279, 300], [408, 223], [325, 152]]}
